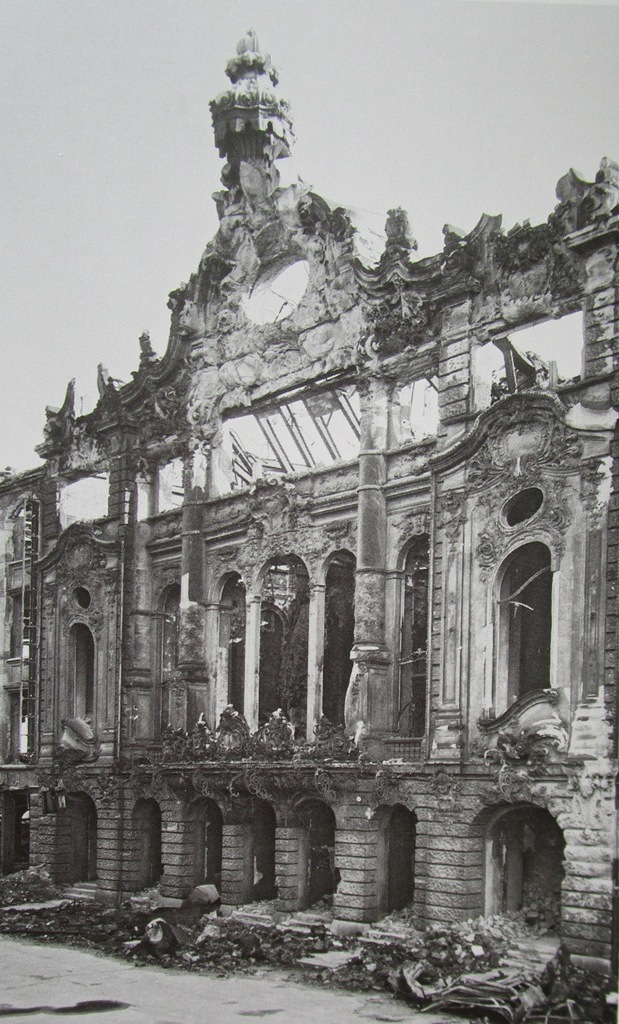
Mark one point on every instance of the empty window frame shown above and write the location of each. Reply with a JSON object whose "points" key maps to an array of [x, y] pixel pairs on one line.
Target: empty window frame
{"points": [[414, 639], [416, 410], [232, 640], [170, 491], [84, 500], [339, 630], [299, 434], [525, 622], [170, 629], [284, 624], [538, 356]]}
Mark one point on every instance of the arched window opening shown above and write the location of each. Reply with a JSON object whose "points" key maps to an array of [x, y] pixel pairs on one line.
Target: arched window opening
{"points": [[232, 639], [414, 639], [263, 828], [147, 843], [524, 866], [525, 621], [401, 837], [207, 831], [83, 649], [284, 622], [339, 635]]}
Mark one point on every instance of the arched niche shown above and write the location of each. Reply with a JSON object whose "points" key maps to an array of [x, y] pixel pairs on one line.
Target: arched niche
{"points": [[401, 840], [232, 625], [263, 837], [524, 865], [414, 638], [206, 829], [284, 624], [146, 822], [82, 648], [319, 820], [524, 623], [78, 834], [339, 630]]}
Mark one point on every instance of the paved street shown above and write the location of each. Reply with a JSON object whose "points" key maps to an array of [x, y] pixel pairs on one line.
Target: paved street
{"points": [[55, 979]]}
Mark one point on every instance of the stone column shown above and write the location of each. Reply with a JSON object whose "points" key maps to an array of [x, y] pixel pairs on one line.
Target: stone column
{"points": [[237, 863], [598, 245], [192, 652], [108, 850], [291, 853], [176, 852], [316, 648], [368, 704], [252, 660], [356, 858]]}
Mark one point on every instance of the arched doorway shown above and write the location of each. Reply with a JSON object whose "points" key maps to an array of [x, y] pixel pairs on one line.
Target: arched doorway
{"points": [[339, 633], [147, 836], [401, 833], [81, 819], [524, 865], [206, 836], [319, 821], [263, 833]]}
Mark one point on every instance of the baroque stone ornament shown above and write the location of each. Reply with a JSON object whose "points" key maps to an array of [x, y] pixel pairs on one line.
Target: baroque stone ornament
{"points": [[520, 440], [452, 511], [412, 523], [446, 788], [591, 789]]}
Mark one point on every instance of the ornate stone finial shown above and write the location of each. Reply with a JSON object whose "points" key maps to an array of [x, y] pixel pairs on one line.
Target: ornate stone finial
{"points": [[59, 423], [147, 352], [249, 116], [397, 229]]}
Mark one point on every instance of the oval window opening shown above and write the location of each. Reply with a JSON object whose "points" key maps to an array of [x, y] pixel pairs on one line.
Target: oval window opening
{"points": [[82, 597], [523, 506], [276, 295]]}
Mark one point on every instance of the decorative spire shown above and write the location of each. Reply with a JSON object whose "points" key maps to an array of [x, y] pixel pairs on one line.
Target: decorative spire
{"points": [[250, 116]]}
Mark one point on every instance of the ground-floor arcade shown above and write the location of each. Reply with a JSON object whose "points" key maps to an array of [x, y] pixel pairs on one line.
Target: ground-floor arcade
{"points": [[368, 839]]}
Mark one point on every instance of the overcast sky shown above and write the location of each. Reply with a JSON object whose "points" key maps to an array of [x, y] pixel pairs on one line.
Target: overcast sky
{"points": [[449, 108]]}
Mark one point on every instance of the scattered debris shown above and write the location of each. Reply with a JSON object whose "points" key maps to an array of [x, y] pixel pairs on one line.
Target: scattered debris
{"points": [[490, 969]]}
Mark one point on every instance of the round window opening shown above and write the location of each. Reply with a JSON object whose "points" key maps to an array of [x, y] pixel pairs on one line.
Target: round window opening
{"points": [[277, 293], [523, 506], [82, 597]]}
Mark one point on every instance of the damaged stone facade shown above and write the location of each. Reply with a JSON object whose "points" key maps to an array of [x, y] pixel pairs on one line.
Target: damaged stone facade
{"points": [[318, 605]]}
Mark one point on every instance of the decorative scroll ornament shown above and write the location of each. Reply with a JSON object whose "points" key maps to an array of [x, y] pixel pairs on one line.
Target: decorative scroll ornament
{"points": [[551, 519], [412, 523], [59, 425], [446, 788], [452, 511], [591, 803], [520, 443]]}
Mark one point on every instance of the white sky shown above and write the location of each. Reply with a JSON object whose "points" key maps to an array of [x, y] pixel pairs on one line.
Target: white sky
{"points": [[449, 108]]}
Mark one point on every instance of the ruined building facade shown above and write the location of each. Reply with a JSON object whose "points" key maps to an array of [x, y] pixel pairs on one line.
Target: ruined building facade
{"points": [[322, 603]]}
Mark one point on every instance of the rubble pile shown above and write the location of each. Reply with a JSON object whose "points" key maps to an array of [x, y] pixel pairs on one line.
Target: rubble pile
{"points": [[487, 968], [31, 886]]}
